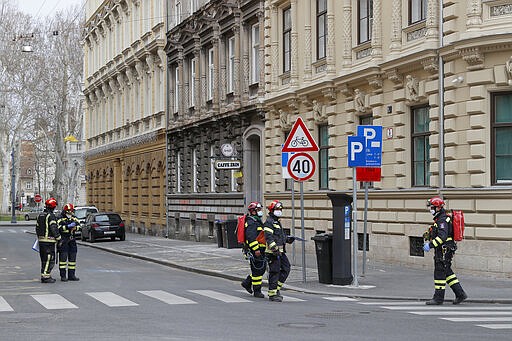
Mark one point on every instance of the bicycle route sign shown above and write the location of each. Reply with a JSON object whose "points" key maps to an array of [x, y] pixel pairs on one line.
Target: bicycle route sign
{"points": [[300, 139], [301, 166]]}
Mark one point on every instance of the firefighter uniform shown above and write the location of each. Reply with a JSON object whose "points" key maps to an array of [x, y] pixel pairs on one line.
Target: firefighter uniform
{"points": [[444, 249], [255, 241], [68, 249], [278, 263], [48, 235]]}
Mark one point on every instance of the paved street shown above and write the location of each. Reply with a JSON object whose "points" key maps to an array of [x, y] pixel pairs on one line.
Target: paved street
{"points": [[135, 298]]}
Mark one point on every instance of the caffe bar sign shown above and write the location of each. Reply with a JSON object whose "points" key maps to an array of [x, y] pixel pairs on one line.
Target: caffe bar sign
{"points": [[228, 164]]}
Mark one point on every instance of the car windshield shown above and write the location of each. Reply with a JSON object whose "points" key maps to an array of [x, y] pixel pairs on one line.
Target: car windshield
{"points": [[81, 213], [112, 218]]}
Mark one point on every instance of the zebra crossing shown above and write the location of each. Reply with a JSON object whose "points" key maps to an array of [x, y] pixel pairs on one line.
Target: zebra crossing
{"points": [[52, 301], [490, 316], [12, 231]]}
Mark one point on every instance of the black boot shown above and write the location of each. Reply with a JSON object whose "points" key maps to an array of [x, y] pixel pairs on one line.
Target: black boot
{"points": [[275, 298], [279, 294], [437, 299], [71, 275], [460, 295], [47, 280], [247, 284], [257, 292]]}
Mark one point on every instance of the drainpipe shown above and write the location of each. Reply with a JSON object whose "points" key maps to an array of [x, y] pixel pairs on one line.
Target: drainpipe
{"points": [[166, 205], [441, 100]]}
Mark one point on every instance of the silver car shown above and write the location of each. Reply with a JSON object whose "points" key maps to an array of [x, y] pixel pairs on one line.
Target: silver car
{"points": [[33, 213]]}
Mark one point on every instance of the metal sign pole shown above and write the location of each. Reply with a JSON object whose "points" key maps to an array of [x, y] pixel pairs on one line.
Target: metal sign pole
{"points": [[354, 222], [293, 219], [302, 232], [365, 224]]}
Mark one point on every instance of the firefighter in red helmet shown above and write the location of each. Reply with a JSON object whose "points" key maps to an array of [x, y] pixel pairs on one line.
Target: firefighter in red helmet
{"points": [[48, 235], [255, 244], [68, 225], [440, 238], [278, 263]]}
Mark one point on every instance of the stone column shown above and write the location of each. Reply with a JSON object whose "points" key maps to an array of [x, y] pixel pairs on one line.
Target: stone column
{"points": [[396, 30], [308, 50], [331, 35], [274, 55], [261, 83], [245, 69], [294, 74], [216, 67], [347, 33], [236, 71], [197, 78], [432, 22], [377, 30], [181, 85], [474, 12]]}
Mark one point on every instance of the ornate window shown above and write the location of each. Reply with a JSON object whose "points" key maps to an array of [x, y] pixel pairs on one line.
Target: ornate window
{"points": [[321, 29], [211, 69], [365, 20], [417, 11], [420, 146], [502, 138], [231, 64], [287, 39], [255, 53]]}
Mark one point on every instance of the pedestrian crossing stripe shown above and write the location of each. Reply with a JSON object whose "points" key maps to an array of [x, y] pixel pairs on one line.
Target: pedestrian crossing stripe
{"points": [[477, 319], [286, 298], [439, 307], [167, 297], [340, 299], [111, 299], [54, 301], [219, 296], [496, 326], [4, 306]]}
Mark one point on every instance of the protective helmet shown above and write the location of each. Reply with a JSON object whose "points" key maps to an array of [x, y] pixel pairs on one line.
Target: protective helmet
{"points": [[254, 206], [50, 203], [435, 201], [275, 205], [68, 208]]}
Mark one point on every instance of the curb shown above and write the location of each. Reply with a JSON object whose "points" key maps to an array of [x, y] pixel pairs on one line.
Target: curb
{"points": [[288, 286]]}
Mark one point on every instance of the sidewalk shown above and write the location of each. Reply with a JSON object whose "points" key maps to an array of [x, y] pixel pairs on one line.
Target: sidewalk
{"points": [[381, 281]]}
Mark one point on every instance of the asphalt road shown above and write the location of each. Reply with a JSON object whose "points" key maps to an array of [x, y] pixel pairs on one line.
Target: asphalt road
{"points": [[120, 298]]}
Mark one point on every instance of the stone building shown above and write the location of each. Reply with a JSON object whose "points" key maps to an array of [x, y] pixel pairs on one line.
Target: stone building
{"points": [[215, 62], [125, 90], [340, 64]]}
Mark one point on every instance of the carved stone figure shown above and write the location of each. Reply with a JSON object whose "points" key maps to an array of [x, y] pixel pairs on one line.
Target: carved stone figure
{"points": [[411, 87], [508, 65], [319, 111], [284, 119], [359, 101]]}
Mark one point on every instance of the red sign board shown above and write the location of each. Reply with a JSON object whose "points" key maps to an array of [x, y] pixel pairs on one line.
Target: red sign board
{"points": [[38, 198], [368, 173], [301, 166], [300, 139]]}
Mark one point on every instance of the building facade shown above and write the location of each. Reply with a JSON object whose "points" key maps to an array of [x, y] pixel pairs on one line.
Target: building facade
{"points": [[441, 92], [125, 91], [215, 127]]}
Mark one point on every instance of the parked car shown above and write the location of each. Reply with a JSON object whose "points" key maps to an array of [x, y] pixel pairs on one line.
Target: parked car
{"points": [[33, 213], [103, 225], [81, 213]]}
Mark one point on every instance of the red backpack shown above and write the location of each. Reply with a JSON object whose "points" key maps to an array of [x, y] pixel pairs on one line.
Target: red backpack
{"points": [[457, 220], [240, 229]]}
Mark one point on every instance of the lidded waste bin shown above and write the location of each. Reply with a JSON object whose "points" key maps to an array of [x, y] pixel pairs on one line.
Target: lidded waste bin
{"points": [[323, 248]]}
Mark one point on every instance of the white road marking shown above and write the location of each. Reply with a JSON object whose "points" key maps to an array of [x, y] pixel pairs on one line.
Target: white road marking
{"points": [[339, 299], [54, 301], [219, 296], [167, 297], [4, 306], [462, 313], [393, 303], [111, 299], [477, 319], [440, 307], [496, 326]]}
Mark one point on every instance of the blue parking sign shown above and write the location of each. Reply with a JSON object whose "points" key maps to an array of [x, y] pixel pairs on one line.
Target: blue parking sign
{"points": [[365, 149]]}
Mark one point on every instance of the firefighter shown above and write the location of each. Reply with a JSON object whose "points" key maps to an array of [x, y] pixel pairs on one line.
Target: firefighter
{"points": [[255, 244], [68, 225], [48, 234], [278, 264], [441, 240]]}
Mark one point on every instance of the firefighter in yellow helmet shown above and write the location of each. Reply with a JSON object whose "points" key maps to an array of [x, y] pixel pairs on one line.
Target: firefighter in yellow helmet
{"points": [[48, 235], [440, 238]]}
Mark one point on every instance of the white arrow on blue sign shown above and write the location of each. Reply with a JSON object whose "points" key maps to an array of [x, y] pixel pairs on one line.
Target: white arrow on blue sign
{"points": [[365, 149]]}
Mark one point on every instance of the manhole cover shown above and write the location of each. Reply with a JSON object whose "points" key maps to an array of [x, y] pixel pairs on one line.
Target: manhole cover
{"points": [[301, 325]]}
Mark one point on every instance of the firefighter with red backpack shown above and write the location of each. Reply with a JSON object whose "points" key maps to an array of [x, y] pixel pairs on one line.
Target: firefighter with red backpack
{"points": [[254, 245], [440, 238]]}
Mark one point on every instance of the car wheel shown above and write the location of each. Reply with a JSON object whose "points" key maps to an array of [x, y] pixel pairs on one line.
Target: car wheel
{"points": [[91, 238], [27, 218], [123, 237]]}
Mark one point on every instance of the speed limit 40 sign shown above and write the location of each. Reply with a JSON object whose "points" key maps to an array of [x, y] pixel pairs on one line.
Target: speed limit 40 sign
{"points": [[301, 166]]}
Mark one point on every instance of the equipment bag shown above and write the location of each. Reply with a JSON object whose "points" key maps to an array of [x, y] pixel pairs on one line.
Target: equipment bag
{"points": [[458, 225], [240, 229]]}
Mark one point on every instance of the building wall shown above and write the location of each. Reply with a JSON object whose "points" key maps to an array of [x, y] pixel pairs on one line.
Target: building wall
{"points": [[387, 77], [125, 91]]}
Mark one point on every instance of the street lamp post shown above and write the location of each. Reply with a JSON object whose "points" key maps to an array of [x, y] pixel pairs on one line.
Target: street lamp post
{"points": [[13, 189]]}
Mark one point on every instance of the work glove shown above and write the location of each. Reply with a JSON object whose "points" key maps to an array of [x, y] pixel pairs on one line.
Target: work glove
{"points": [[59, 243], [70, 225], [276, 252], [290, 239], [426, 247]]}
